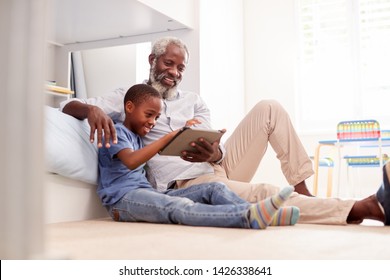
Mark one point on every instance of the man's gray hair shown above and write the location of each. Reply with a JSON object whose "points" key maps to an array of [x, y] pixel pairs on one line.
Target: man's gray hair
{"points": [[160, 46]]}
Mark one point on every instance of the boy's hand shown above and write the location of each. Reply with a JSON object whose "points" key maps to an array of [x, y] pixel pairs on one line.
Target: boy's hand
{"points": [[193, 122]]}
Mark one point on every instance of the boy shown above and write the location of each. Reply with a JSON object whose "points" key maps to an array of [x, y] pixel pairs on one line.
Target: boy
{"points": [[129, 197]]}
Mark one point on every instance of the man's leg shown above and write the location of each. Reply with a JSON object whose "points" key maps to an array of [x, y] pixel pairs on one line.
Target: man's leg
{"points": [[249, 192], [313, 210], [267, 123]]}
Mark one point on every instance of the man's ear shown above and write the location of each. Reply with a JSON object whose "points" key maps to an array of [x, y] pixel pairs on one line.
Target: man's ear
{"points": [[129, 106], [151, 58]]}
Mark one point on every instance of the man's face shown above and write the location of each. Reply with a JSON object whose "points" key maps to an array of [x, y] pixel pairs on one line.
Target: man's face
{"points": [[167, 70]]}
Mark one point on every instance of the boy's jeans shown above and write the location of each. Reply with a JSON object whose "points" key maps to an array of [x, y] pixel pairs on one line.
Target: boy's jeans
{"points": [[209, 204]]}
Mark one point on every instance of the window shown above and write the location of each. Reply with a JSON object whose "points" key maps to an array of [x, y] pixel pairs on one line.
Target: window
{"points": [[343, 62]]}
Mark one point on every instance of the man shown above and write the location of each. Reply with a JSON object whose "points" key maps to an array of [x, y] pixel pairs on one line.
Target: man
{"points": [[233, 163]]}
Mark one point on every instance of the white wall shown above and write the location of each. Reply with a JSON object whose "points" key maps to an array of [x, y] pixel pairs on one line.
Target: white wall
{"points": [[222, 61], [104, 62], [269, 51]]}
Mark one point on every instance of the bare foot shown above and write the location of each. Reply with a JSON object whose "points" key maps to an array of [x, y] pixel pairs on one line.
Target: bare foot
{"points": [[367, 208], [301, 188]]}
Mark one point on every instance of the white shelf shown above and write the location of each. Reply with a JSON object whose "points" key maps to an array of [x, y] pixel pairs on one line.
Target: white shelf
{"points": [[81, 21]]}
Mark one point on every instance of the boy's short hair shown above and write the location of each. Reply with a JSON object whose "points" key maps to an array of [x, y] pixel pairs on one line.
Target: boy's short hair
{"points": [[141, 92]]}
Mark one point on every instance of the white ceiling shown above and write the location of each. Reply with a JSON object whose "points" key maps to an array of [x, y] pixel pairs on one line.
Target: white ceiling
{"points": [[76, 21]]}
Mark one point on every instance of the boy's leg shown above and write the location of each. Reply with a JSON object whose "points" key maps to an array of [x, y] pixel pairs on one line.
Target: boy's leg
{"points": [[262, 213], [214, 193], [218, 193], [145, 205], [286, 216], [266, 123]]}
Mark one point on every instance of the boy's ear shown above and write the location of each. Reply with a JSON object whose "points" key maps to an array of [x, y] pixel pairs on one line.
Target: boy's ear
{"points": [[129, 107]]}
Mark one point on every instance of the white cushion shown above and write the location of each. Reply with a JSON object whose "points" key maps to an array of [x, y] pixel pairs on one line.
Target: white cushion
{"points": [[68, 151]]}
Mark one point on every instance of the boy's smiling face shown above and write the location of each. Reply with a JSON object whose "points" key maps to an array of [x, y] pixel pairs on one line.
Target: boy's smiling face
{"points": [[142, 117]]}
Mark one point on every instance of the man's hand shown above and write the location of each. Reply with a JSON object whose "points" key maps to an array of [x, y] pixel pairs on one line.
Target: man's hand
{"points": [[206, 152], [100, 122], [97, 119]]}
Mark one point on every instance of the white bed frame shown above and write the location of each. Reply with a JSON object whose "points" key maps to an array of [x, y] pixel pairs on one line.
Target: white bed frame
{"points": [[70, 200]]}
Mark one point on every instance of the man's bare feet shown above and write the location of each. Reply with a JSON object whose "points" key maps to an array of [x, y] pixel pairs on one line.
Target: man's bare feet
{"points": [[301, 188], [367, 208]]}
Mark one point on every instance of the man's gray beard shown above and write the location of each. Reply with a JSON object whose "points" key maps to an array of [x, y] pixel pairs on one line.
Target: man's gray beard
{"points": [[165, 93]]}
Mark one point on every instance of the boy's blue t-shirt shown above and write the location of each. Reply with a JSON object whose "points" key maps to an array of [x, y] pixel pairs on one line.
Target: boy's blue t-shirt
{"points": [[115, 179]]}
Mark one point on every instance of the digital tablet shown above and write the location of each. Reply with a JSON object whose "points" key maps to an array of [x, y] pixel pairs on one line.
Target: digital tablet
{"points": [[182, 140]]}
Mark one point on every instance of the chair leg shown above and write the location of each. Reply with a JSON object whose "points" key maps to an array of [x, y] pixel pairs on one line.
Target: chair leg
{"points": [[330, 182], [316, 169]]}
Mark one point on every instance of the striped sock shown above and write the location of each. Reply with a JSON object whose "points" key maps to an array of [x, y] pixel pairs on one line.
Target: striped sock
{"points": [[285, 216], [261, 213]]}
